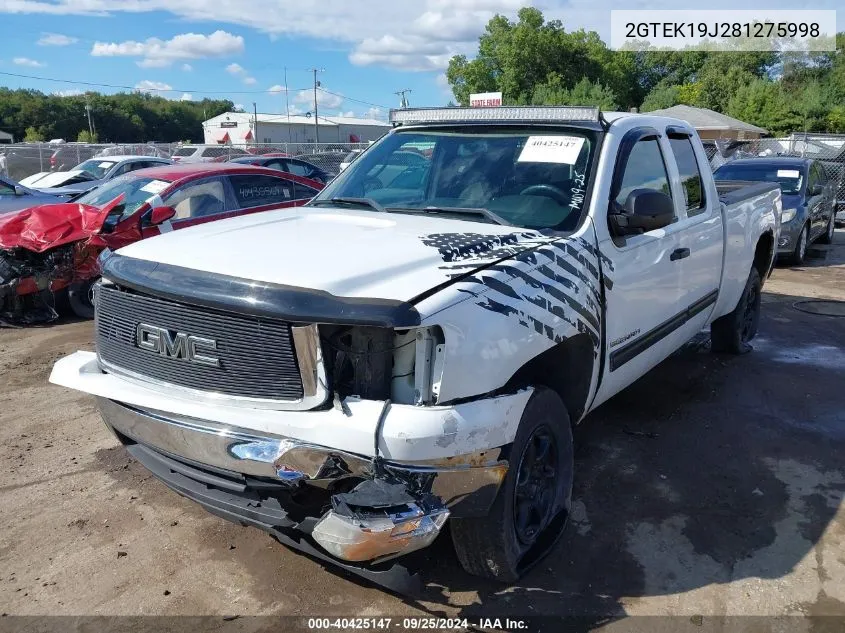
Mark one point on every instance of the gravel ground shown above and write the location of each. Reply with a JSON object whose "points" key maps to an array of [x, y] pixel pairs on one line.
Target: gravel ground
{"points": [[712, 487]]}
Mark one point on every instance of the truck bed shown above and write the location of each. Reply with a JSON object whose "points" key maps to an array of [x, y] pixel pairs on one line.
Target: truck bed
{"points": [[733, 191]]}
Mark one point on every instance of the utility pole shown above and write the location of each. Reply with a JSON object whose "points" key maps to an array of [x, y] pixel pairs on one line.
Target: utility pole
{"points": [[403, 100], [90, 123], [287, 105], [254, 123], [316, 117]]}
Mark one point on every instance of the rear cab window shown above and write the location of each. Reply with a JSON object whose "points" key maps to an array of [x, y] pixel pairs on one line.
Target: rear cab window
{"points": [[692, 184]]}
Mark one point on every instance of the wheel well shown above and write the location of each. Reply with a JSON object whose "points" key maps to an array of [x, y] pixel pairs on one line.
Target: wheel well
{"points": [[566, 368], [763, 255]]}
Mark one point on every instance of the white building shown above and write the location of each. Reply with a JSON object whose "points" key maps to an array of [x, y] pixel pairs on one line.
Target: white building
{"points": [[238, 128]]}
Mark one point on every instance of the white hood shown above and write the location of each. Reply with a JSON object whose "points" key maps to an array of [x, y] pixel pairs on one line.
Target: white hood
{"points": [[49, 179], [347, 253]]}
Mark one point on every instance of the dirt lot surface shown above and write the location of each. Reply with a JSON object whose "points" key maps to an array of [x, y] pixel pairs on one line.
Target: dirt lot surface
{"points": [[711, 487]]}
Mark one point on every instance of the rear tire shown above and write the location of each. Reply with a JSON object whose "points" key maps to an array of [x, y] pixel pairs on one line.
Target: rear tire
{"points": [[80, 298], [800, 251], [732, 333], [827, 238], [532, 507]]}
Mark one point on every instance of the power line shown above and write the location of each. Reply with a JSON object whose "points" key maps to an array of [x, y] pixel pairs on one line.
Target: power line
{"points": [[93, 84], [133, 88]]}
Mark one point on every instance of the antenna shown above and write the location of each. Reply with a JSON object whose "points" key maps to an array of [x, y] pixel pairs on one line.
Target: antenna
{"points": [[403, 100]]}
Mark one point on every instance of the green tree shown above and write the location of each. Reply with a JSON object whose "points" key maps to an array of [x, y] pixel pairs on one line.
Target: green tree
{"points": [[32, 135], [661, 97], [86, 137]]}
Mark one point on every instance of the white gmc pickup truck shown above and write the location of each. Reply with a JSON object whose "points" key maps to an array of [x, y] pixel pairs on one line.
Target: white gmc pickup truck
{"points": [[416, 343]]}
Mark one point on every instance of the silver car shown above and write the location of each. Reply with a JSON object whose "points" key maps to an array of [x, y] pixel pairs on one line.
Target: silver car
{"points": [[14, 196]]}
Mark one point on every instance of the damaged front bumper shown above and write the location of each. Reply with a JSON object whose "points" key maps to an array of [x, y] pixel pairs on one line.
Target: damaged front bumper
{"points": [[312, 478], [356, 511]]}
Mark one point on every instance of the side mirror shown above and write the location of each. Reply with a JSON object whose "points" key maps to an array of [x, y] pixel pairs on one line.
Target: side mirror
{"points": [[159, 215], [815, 190], [644, 210], [19, 191]]}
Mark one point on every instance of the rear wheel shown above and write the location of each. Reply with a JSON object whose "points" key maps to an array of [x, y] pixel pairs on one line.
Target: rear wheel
{"points": [[81, 298], [733, 332], [800, 251], [827, 238], [532, 507]]}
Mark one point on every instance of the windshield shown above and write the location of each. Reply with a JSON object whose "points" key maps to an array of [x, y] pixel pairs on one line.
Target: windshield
{"points": [[787, 176], [97, 167], [137, 190], [532, 179]]}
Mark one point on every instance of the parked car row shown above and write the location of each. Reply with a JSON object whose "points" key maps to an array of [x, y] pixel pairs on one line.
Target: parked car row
{"points": [[48, 253]]}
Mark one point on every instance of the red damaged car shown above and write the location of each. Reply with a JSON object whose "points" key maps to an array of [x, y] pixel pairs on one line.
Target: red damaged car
{"points": [[49, 253]]}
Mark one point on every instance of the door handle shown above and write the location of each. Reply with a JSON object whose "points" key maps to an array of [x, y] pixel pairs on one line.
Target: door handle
{"points": [[679, 253]]}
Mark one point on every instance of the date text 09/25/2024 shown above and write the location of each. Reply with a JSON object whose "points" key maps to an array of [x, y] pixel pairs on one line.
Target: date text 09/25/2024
{"points": [[414, 624]]}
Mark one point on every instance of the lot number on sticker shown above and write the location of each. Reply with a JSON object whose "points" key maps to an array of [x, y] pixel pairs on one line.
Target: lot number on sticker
{"points": [[788, 173], [551, 149]]}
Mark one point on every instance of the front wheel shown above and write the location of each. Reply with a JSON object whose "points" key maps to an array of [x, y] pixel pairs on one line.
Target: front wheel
{"points": [[733, 332], [80, 296], [827, 238], [531, 510], [800, 251]]}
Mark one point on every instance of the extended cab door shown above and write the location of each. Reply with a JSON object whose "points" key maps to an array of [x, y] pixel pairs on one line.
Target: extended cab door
{"points": [[642, 277], [700, 228]]}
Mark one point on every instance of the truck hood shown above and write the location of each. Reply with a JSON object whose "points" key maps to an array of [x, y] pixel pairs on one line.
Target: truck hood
{"points": [[50, 225], [347, 253]]}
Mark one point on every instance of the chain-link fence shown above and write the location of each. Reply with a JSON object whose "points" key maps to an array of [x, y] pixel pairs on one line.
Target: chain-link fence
{"points": [[20, 160], [829, 150]]}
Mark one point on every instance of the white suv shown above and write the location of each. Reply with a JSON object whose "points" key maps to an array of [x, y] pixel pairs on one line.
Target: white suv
{"points": [[205, 153]]}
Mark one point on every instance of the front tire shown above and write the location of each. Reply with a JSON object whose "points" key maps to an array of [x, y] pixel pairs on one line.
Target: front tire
{"points": [[532, 507], [81, 300], [732, 333], [827, 238], [800, 251]]}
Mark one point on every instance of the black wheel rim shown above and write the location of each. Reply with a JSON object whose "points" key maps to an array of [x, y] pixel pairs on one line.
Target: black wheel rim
{"points": [[749, 316], [535, 493]]}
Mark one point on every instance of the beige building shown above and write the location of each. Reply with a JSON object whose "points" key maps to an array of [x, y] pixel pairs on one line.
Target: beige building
{"points": [[712, 125]]}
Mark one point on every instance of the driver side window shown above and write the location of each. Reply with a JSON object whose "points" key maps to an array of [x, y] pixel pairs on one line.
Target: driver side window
{"points": [[645, 169], [197, 200]]}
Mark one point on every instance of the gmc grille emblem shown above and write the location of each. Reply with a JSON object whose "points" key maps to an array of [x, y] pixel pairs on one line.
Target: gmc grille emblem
{"points": [[178, 345]]}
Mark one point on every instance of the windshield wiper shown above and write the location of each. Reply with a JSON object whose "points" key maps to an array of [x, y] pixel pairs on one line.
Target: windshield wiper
{"points": [[366, 202], [477, 211]]}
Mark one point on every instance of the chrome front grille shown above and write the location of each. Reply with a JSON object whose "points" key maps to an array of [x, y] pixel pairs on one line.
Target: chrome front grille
{"points": [[257, 357]]}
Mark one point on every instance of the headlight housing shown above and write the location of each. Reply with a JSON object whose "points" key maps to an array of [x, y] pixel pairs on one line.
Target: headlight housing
{"points": [[788, 215]]}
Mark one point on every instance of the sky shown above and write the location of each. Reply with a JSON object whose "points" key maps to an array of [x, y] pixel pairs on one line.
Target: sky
{"points": [[243, 49]]}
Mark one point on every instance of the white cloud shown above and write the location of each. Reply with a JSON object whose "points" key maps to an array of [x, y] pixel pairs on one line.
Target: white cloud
{"points": [[239, 107], [375, 113], [186, 96], [157, 53], [73, 92], [443, 85], [346, 114], [277, 89], [56, 39], [187, 68], [434, 29], [325, 99], [152, 86], [26, 61], [239, 71]]}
